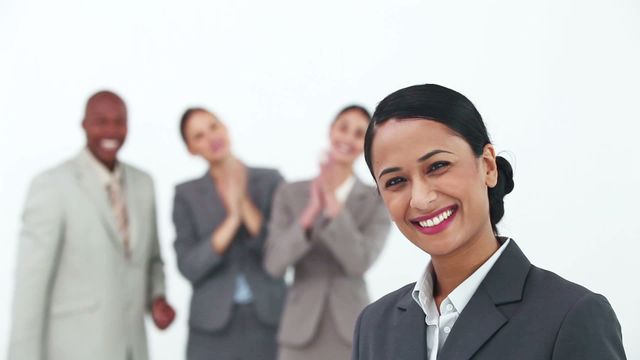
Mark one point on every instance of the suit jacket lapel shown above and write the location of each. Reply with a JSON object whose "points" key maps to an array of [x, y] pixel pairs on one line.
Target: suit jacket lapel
{"points": [[210, 201], [133, 209], [90, 183], [482, 318], [479, 320], [357, 198], [410, 330], [253, 187]]}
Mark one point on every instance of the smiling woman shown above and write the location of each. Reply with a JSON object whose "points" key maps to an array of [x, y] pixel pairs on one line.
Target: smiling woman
{"points": [[479, 297], [220, 220], [330, 230]]}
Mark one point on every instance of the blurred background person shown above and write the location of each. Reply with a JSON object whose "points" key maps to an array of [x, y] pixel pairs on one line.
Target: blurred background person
{"points": [[220, 220], [89, 264], [330, 229]]}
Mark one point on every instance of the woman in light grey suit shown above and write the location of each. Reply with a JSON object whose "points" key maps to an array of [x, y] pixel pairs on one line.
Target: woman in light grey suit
{"points": [[220, 223], [330, 229]]}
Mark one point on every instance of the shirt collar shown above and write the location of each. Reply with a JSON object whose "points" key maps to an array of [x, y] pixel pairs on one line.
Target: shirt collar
{"points": [[460, 296], [102, 171], [342, 191]]}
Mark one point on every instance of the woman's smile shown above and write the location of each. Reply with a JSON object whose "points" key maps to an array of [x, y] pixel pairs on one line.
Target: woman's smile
{"points": [[435, 222]]}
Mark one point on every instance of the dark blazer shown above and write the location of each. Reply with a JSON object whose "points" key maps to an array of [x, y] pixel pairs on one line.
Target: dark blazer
{"points": [[330, 265], [519, 312], [198, 210]]}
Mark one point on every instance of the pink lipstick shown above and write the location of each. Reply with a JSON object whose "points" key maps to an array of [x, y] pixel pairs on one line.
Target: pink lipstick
{"points": [[436, 221]]}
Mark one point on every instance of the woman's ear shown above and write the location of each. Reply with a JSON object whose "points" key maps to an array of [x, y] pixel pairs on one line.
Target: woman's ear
{"points": [[490, 166]]}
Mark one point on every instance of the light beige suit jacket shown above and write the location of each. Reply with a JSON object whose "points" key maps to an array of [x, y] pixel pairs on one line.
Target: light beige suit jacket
{"points": [[329, 265], [77, 296]]}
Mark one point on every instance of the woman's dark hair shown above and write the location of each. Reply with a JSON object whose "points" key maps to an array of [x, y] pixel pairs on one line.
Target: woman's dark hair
{"points": [[184, 119], [353, 107], [454, 110]]}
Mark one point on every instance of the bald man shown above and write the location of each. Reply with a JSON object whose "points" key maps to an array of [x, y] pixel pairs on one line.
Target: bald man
{"points": [[89, 264]]}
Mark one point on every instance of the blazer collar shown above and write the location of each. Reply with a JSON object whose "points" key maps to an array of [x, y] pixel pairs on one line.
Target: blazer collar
{"points": [[482, 317], [211, 199], [90, 182], [409, 329], [357, 196]]}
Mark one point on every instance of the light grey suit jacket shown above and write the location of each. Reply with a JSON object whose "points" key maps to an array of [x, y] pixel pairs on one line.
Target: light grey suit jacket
{"points": [[519, 312], [77, 296], [329, 266], [198, 210]]}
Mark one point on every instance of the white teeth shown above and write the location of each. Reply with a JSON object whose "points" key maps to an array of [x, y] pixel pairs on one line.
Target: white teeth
{"points": [[110, 144], [436, 220]]}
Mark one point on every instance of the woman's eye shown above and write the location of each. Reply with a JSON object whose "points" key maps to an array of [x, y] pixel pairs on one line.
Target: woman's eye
{"points": [[394, 181], [439, 165]]}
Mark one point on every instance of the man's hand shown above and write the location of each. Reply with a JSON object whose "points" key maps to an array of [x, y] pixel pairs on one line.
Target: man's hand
{"points": [[162, 313]]}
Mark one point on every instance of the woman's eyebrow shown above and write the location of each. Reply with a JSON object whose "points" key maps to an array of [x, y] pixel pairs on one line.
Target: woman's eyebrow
{"points": [[388, 170], [432, 153]]}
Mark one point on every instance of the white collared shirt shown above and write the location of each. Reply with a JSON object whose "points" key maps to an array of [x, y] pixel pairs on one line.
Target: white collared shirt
{"points": [[439, 324], [106, 177], [342, 191]]}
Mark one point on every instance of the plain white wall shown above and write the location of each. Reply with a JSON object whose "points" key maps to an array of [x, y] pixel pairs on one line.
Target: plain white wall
{"points": [[557, 82]]}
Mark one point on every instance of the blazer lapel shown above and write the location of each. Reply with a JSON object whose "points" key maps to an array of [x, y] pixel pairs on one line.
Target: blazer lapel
{"points": [[133, 209], [410, 330], [90, 183], [478, 321], [253, 187], [482, 318], [357, 198], [210, 202]]}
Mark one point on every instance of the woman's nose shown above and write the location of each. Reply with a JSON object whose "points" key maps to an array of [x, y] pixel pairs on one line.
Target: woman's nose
{"points": [[422, 195]]}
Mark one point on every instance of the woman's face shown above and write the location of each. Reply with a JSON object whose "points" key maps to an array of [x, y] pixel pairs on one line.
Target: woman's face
{"points": [[207, 137], [347, 137], [433, 185]]}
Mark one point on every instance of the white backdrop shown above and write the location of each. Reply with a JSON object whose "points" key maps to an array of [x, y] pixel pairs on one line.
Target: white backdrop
{"points": [[557, 82]]}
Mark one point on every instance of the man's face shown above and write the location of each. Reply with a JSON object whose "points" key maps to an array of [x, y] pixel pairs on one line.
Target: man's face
{"points": [[105, 125]]}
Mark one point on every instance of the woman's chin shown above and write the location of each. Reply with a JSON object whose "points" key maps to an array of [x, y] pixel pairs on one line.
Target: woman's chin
{"points": [[342, 159], [216, 158]]}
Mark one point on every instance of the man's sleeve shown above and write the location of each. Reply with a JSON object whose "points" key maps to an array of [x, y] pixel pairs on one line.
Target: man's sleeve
{"points": [[156, 285], [38, 249]]}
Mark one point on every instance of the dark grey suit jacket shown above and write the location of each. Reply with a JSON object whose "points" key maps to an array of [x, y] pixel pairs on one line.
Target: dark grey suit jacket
{"points": [[198, 211], [519, 312]]}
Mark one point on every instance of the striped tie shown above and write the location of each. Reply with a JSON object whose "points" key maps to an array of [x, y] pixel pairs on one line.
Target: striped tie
{"points": [[120, 211]]}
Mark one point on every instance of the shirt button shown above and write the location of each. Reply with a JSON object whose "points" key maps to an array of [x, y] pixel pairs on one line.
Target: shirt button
{"points": [[447, 329], [449, 307]]}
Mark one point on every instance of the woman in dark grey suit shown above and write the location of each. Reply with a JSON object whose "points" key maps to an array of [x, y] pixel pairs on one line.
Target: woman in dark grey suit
{"points": [[330, 229], [220, 222], [479, 297]]}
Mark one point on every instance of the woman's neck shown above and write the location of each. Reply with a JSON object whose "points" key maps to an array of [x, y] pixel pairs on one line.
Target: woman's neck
{"points": [[221, 168], [342, 172], [453, 269]]}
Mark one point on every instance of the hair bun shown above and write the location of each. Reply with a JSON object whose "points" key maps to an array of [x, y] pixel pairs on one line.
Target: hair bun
{"points": [[496, 194], [505, 175]]}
